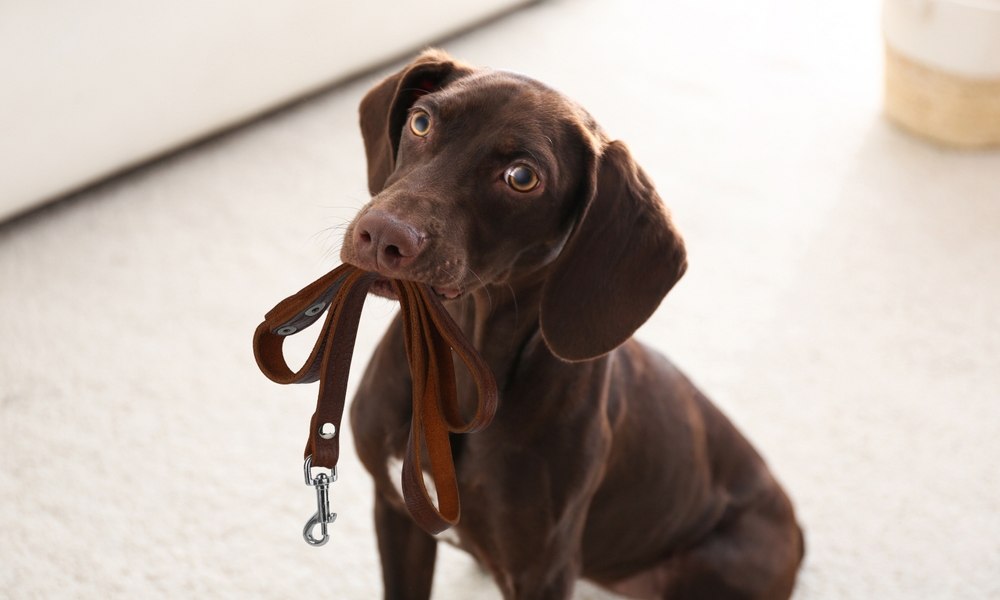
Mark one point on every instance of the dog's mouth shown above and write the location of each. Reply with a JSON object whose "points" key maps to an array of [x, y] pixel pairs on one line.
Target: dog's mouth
{"points": [[384, 288]]}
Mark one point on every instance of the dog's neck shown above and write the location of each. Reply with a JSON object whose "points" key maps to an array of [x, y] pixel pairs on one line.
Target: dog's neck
{"points": [[499, 320]]}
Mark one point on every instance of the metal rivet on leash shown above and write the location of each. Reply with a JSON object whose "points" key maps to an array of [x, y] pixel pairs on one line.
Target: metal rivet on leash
{"points": [[322, 516], [315, 309], [286, 330], [327, 431]]}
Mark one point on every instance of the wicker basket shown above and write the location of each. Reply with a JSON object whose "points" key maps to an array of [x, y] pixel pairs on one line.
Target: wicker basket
{"points": [[939, 83]]}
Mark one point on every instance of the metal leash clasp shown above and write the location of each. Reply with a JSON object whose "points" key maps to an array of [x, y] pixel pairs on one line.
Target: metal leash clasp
{"points": [[323, 516]]}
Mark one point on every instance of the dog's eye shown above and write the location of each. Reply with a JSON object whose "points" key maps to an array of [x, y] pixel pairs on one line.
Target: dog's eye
{"points": [[420, 123], [521, 178]]}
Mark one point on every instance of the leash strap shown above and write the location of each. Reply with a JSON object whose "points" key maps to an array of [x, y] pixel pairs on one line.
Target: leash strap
{"points": [[430, 337]]}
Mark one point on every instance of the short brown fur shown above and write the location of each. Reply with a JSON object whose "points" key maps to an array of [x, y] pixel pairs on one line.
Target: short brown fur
{"points": [[604, 461]]}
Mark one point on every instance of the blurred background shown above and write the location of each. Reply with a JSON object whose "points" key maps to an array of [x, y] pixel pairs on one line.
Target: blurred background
{"points": [[170, 171]]}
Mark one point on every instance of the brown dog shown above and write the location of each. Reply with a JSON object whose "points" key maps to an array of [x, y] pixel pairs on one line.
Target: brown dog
{"points": [[551, 247]]}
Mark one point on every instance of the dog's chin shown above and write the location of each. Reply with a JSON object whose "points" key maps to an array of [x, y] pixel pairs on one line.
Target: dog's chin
{"points": [[384, 289]]}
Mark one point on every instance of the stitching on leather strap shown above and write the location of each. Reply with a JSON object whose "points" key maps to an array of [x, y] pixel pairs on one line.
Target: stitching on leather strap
{"points": [[430, 338]]}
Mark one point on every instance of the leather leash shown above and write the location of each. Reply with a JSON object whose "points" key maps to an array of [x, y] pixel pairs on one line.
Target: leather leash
{"points": [[430, 337]]}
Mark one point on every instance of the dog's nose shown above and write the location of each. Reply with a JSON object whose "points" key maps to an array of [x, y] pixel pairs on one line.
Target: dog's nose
{"points": [[386, 240]]}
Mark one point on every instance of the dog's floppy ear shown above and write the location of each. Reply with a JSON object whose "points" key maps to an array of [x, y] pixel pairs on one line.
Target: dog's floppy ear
{"points": [[616, 267], [384, 107]]}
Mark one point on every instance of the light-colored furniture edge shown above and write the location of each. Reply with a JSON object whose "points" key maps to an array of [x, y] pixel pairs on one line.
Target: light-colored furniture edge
{"points": [[92, 88]]}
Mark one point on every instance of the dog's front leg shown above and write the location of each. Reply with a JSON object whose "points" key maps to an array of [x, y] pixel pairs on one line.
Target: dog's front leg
{"points": [[543, 564], [557, 584], [380, 418], [408, 553], [526, 524]]}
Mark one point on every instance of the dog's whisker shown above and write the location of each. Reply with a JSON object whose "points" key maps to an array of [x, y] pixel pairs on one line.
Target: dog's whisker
{"points": [[331, 242], [450, 275], [489, 296]]}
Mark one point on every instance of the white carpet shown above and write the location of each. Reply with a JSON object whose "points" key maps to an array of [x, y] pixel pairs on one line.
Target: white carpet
{"points": [[842, 305]]}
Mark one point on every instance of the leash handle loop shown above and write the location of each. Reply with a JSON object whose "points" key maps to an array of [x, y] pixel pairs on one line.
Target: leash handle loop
{"points": [[431, 339]]}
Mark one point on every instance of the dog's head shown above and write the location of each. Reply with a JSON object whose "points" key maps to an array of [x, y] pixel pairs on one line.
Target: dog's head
{"points": [[481, 177]]}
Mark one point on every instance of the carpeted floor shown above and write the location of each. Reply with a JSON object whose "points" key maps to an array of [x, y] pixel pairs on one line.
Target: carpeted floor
{"points": [[842, 305]]}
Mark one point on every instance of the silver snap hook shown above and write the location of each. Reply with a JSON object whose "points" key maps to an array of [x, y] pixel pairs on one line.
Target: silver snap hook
{"points": [[307, 531], [322, 516]]}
